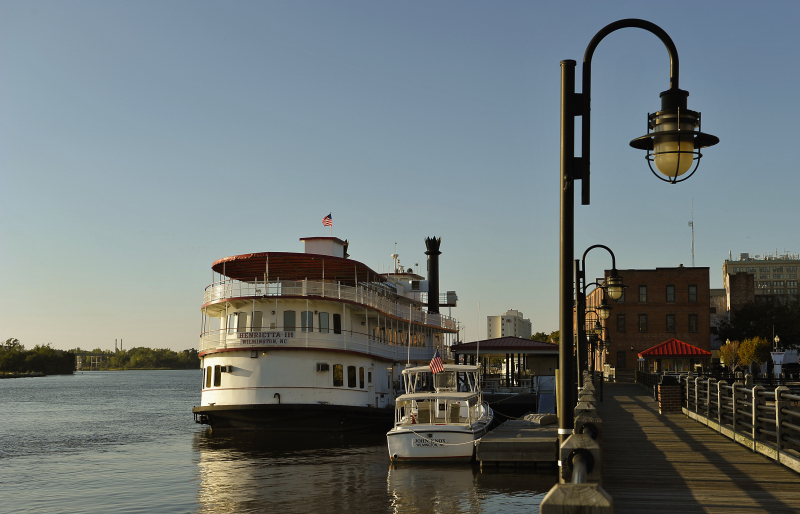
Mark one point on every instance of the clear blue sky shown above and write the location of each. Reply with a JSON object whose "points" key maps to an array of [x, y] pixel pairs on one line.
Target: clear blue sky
{"points": [[141, 141]]}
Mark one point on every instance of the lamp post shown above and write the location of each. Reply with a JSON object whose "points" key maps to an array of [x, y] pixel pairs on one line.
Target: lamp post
{"points": [[673, 141], [612, 286]]}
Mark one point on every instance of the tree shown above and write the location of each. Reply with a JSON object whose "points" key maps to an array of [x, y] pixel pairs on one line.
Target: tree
{"points": [[729, 354], [763, 319], [754, 350], [552, 337]]}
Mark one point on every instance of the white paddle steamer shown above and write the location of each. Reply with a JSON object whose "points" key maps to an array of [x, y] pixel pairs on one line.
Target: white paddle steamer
{"points": [[314, 341]]}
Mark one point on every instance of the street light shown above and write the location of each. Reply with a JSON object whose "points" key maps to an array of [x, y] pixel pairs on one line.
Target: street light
{"points": [[603, 310], [672, 142]]}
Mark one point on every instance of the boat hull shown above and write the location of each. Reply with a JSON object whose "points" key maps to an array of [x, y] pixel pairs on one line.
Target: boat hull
{"points": [[294, 418], [433, 443]]}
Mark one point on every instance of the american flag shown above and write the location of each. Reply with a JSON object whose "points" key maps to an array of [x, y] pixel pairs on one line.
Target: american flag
{"points": [[436, 363], [327, 221]]}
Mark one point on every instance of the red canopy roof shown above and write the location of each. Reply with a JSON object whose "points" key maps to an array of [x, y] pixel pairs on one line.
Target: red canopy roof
{"points": [[674, 348], [295, 266]]}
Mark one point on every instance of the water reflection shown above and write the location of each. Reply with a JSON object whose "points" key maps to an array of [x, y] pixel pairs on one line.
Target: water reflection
{"points": [[290, 473]]}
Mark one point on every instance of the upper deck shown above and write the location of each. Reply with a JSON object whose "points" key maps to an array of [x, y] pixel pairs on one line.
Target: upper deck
{"points": [[380, 299]]}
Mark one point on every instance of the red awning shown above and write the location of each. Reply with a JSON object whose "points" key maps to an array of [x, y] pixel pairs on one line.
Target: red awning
{"points": [[674, 348]]}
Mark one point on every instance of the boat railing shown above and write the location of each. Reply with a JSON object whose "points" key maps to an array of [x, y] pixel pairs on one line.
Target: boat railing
{"points": [[347, 340], [363, 295]]}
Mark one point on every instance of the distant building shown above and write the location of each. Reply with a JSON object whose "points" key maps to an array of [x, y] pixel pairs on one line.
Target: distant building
{"points": [[761, 278], [658, 305], [510, 324]]}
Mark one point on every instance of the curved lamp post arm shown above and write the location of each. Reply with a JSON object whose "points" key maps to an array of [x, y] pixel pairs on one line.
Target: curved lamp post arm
{"points": [[613, 258], [586, 94]]}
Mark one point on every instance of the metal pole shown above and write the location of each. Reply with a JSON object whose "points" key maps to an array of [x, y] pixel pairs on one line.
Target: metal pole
{"points": [[566, 404]]}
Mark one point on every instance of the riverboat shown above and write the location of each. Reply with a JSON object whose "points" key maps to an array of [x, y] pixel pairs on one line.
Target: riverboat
{"points": [[315, 341], [440, 416]]}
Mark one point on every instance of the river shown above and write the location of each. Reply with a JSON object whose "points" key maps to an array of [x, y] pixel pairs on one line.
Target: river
{"points": [[126, 442]]}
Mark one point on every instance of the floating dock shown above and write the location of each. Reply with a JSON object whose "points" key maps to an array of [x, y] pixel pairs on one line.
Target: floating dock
{"points": [[530, 440]]}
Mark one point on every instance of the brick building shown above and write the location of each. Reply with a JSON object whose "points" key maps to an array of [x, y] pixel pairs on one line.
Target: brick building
{"points": [[657, 305]]}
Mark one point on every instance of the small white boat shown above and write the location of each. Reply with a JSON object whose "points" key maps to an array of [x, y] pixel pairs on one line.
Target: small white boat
{"points": [[440, 416]]}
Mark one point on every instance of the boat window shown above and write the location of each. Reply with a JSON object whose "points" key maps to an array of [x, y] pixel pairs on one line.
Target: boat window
{"points": [[255, 324], [369, 377], [337, 323], [323, 322], [306, 321], [233, 322], [351, 376], [208, 376], [217, 376], [361, 378], [338, 375], [445, 381], [288, 321]]}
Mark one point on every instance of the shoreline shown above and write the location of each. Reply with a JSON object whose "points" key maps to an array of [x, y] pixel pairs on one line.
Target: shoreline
{"points": [[34, 374]]}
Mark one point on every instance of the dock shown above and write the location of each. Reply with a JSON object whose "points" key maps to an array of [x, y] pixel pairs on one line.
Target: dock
{"points": [[530, 440], [669, 463]]}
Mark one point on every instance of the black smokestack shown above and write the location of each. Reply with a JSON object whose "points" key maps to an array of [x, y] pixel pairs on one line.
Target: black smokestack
{"points": [[433, 253]]}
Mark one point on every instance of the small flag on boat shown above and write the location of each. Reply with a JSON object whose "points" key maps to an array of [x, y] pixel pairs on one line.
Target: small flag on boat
{"points": [[436, 363], [327, 221]]}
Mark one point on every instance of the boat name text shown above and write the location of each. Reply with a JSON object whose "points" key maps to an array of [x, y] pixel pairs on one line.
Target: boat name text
{"points": [[428, 443], [265, 337]]}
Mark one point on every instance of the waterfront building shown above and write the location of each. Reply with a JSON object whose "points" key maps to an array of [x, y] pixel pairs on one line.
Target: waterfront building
{"points": [[760, 278], [657, 305], [510, 324]]}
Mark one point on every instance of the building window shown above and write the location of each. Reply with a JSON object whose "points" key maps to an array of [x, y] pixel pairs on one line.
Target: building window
{"points": [[777, 275], [692, 293], [670, 293], [764, 269], [337, 323], [306, 321], [351, 376], [289, 321], [338, 375], [751, 270], [642, 322], [692, 322], [670, 323], [642, 294], [620, 323], [777, 269], [764, 276]]}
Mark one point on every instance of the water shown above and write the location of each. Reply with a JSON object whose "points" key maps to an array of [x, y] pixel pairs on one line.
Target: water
{"points": [[126, 442]]}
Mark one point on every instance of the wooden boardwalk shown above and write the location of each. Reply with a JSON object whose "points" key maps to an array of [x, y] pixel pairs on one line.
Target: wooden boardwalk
{"points": [[669, 463]]}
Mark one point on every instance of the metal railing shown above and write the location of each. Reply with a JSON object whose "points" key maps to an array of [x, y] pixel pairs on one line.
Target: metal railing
{"points": [[383, 301], [346, 340], [768, 421]]}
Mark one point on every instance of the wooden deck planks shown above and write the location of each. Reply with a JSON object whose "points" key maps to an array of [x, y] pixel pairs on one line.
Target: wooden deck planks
{"points": [[669, 463]]}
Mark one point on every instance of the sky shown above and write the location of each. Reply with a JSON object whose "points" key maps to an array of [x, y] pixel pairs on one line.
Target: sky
{"points": [[142, 141]]}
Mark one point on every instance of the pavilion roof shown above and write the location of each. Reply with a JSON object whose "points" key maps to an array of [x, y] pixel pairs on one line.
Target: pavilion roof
{"points": [[506, 345], [674, 348]]}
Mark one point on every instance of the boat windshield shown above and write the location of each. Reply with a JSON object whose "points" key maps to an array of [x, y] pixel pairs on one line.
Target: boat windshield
{"points": [[445, 381]]}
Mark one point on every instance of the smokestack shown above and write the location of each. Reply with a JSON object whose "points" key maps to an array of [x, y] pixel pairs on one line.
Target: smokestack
{"points": [[433, 253]]}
